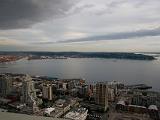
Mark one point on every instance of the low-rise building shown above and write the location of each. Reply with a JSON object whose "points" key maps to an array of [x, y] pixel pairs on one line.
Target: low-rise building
{"points": [[48, 111], [62, 106], [17, 105], [137, 109], [77, 114], [153, 112]]}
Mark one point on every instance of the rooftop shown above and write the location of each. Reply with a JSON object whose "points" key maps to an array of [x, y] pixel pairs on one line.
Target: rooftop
{"points": [[77, 114], [153, 107], [49, 110], [121, 102]]}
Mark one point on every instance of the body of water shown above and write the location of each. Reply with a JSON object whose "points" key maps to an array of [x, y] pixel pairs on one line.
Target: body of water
{"points": [[93, 70]]}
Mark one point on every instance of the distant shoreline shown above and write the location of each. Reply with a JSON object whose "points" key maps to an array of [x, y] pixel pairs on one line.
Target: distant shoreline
{"points": [[65, 55]]}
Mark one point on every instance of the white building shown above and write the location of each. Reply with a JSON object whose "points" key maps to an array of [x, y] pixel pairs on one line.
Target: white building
{"points": [[48, 111], [28, 90], [29, 94], [111, 95]]}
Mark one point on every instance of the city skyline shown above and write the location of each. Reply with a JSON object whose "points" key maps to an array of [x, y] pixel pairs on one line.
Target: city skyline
{"points": [[86, 25]]}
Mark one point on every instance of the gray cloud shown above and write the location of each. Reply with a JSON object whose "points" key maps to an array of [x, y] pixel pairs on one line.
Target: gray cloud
{"points": [[24, 13], [117, 36], [85, 20]]}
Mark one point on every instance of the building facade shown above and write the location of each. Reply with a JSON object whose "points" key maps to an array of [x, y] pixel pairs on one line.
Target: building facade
{"points": [[47, 92], [5, 85], [28, 91], [102, 95]]}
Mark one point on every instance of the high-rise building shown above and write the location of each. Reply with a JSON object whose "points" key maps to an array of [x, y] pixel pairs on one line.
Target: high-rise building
{"points": [[102, 95], [111, 95], [5, 85], [28, 91], [47, 91]]}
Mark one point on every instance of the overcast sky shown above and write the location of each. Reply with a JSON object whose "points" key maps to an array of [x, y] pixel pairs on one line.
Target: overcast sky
{"points": [[80, 25]]}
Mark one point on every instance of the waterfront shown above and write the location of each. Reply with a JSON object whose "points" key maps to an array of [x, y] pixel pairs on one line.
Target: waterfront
{"points": [[93, 70]]}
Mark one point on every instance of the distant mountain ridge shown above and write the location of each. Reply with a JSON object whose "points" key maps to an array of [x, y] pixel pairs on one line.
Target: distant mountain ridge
{"points": [[110, 55]]}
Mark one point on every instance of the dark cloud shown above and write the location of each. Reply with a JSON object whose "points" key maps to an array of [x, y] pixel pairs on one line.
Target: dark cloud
{"points": [[24, 13], [117, 36]]}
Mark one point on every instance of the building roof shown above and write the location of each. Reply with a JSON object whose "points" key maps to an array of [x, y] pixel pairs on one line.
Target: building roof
{"points": [[153, 107], [5, 100], [76, 114], [137, 106], [49, 110], [121, 102]]}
